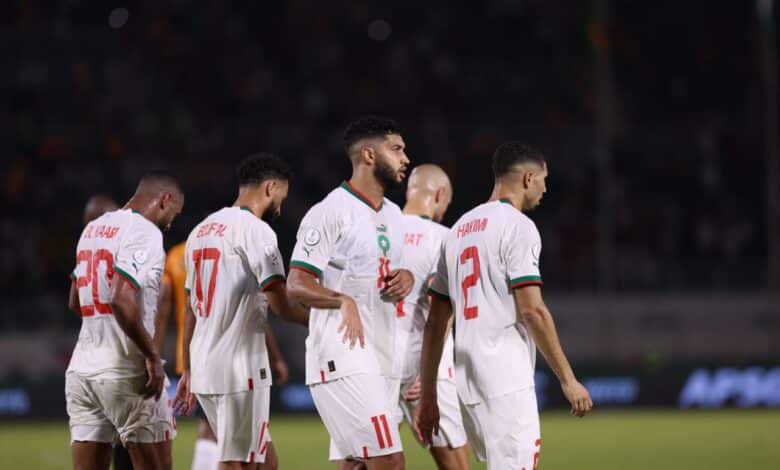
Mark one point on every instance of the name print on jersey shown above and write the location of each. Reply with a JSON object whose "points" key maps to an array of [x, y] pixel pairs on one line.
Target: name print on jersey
{"points": [[214, 228], [101, 231], [412, 239], [472, 226]]}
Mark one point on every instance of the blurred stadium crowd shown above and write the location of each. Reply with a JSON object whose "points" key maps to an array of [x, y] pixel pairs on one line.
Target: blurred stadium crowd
{"points": [[93, 98]]}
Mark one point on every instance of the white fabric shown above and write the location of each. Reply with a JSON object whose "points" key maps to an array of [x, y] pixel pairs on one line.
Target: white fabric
{"points": [[489, 251], [504, 430], [206, 455], [351, 247], [422, 247], [230, 257], [359, 412], [104, 410], [118, 243], [240, 422], [451, 431]]}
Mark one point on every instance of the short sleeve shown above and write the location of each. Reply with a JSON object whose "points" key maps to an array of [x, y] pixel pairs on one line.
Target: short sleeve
{"points": [[316, 240], [135, 257], [440, 284], [261, 253], [521, 248], [189, 270]]}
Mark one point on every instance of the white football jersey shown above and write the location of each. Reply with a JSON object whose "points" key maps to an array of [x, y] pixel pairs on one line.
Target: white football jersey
{"points": [[422, 246], [118, 243], [491, 250], [231, 257], [351, 246]]}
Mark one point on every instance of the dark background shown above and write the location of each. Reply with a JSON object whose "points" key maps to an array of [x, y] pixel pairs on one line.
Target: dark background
{"points": [[669, 93]]}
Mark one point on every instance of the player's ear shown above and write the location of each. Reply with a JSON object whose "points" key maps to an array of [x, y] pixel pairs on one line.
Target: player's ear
{"points": [[270, 187], [367, 154], [438, 195], [165, 199]]}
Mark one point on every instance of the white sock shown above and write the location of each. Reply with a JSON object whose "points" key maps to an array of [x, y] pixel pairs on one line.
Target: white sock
{"points": [[206, 456]]}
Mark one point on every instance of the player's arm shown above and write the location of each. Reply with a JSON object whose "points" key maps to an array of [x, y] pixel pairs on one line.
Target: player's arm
{"points": [[302, 286], [184, 402], [426, 421], [281, 305], [278, 364], [164, 307], [534, 314], [124, 305], [73, 299]]}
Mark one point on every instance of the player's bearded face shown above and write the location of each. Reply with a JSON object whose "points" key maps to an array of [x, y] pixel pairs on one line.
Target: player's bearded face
{"points": [[170, 209], [274, 209]]}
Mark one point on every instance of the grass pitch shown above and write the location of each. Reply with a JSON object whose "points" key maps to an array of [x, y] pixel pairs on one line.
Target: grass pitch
{"points": [[631, 440]]}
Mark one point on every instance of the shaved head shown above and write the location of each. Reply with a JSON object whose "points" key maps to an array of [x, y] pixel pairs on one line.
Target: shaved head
{"points": [[429, 186], [157, 182], [159, 197], [429, 177], [98, 205]]}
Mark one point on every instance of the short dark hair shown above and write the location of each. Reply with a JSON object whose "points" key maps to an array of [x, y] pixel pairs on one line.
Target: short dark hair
{"points": [[368, 127], [259, 167], [509, 154], [160, 179]]}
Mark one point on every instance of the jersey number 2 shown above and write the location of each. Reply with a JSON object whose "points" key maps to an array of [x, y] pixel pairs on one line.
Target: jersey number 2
{"points": [[198, 256], [90, 276], [470, 253]]}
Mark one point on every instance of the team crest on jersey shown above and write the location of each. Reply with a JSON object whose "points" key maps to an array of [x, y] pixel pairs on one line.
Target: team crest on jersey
{"points": [[536, 249], [312, 237], [384, 243], [270, 253], [140, 256]]}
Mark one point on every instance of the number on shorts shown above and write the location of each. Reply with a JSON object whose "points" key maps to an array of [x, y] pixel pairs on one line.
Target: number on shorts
{"points": [[383, 437], [470, 253], [198, 256], [93, 260]]}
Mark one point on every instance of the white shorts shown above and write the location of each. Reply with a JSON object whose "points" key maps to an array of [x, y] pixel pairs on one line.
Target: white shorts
{"points": [[105, 410], [358, 414], [451, 431], [504, 430], [240, 422]]}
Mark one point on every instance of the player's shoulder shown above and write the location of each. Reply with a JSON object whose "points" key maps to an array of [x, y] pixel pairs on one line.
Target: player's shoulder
{"points": [[252, 222], [138, 223], [391, 206]]}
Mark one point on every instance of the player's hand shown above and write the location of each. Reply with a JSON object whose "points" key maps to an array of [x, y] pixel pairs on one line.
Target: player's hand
{"points": [[578, 396], [156, 378], [426, 421], [350, 323], [399, 284], [280, 371], [414, 392], [184, 401]]}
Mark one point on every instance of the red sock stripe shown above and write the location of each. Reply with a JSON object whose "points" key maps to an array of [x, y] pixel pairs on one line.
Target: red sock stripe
{"points": [[379, 438], [387, 431], [251, 384]]}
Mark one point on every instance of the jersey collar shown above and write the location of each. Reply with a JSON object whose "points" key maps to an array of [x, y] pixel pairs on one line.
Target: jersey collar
{"points": [[360, 196]]}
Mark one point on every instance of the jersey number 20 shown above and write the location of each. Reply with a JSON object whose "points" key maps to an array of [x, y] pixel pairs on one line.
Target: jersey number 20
{"points": [[90, 276], [470, 253]]}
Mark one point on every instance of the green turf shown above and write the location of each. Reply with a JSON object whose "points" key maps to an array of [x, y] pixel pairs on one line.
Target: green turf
{"points": [[635, 440]]}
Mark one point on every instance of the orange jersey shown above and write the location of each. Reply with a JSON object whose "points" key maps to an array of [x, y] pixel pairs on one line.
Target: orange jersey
{"points": [[175, 276]]}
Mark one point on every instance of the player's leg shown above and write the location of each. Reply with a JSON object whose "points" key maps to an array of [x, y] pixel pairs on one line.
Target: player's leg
{"points": [[206, 454], [146, 426], [91, 431], [512, 431], [150, 455], [357, 415], [450, 447], [90, 455], [122, 458], [271, 459], [240, 422]]}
